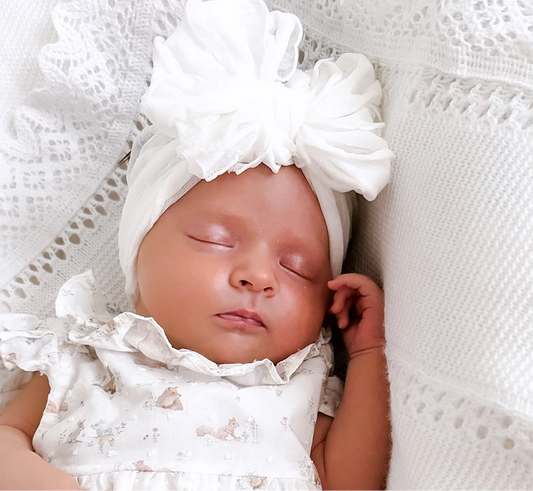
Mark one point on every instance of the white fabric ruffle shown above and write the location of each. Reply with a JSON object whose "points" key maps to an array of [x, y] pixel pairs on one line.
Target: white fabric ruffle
{"points": [[128, 480]]}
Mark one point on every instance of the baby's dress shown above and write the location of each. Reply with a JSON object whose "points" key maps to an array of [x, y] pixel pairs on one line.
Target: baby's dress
{"points": [[128, 411]]}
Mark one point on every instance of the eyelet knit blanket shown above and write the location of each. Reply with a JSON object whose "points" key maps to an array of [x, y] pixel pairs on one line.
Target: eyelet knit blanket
{"points": [[450, 239]]}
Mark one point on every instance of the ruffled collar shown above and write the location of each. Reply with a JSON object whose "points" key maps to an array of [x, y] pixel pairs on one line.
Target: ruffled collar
{"points": [[80, 298]]}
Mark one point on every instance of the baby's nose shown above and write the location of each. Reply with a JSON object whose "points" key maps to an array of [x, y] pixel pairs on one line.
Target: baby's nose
{"points": [[258, 284], [255, 274]]}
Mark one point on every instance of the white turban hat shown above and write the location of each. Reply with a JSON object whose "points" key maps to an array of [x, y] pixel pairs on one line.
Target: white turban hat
{"points": [[226, 96]]}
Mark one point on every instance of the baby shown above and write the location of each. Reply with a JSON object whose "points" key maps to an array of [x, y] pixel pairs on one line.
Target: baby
{"points": [[237, 218]]}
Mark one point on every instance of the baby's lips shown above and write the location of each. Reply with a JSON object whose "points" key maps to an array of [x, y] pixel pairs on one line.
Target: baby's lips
{"points": [[244, 315]]}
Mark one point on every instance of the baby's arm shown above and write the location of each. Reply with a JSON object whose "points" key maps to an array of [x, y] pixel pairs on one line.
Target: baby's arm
{"points": [[20, 466], [351, 451]]}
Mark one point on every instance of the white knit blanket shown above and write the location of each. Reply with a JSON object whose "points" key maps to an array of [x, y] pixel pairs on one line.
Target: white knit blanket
{"points": [[451, 238]]}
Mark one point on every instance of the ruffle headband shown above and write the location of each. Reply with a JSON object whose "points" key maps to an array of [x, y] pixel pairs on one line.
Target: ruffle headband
{"points": [[226, 96]]}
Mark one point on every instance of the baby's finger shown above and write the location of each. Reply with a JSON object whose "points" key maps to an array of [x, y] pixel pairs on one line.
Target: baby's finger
{"points": [[343, 301], [357, 282], [343, 317], [339, 299]]}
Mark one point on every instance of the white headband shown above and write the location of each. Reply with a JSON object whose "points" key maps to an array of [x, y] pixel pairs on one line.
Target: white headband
{"points": [[226, 96]]}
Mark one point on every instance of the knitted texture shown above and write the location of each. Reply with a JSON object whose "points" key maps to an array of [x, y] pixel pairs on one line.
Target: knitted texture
{"points": [[450, 238], [60, 198]]}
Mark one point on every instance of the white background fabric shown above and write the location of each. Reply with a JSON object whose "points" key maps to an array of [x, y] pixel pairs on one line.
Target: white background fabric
{"points": [[450, 238]]}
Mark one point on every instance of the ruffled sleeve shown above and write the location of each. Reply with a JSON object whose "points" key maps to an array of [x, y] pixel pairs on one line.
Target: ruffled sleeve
{"points": [[35, 345], [30, 344]]}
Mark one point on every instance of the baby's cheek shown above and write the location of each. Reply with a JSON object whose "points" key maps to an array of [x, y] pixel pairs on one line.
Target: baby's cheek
{"points": [[314, 311], [323, 298]]}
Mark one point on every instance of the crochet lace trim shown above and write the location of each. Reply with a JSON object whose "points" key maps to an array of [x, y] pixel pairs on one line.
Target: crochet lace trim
{"points": [[60, 167]]}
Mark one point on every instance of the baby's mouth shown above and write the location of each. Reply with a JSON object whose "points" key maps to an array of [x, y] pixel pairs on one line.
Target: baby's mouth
{"points": [[244, 317]]}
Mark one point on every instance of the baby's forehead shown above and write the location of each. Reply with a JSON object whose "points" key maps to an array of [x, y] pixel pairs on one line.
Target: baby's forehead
{"points": [[258, 193], [256, 197]]}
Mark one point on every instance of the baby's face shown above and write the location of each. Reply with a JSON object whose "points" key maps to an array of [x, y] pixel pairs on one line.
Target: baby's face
{"points": [[237, 269]]}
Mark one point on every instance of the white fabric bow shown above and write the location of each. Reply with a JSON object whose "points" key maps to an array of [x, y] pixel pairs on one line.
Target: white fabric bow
{"points": [[228, 92], [226, 96]]}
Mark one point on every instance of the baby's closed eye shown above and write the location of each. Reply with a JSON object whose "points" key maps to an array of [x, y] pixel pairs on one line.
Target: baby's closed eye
{"points": [[213, 235], [298, 265], [217, 242]]}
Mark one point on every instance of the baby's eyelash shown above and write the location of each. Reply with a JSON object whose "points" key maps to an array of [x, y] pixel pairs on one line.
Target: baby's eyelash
{"points": [[294, 271], [211, 242]]}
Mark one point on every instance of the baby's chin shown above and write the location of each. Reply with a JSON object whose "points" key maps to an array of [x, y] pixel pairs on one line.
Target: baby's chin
{"points": [[242, 356]]}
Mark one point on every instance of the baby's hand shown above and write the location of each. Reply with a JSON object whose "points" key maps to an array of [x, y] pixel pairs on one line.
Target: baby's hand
{"points": [[358, 306]]}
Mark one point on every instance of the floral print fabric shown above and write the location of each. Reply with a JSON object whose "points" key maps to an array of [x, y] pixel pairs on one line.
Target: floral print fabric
{"points": [[128, 411]]}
